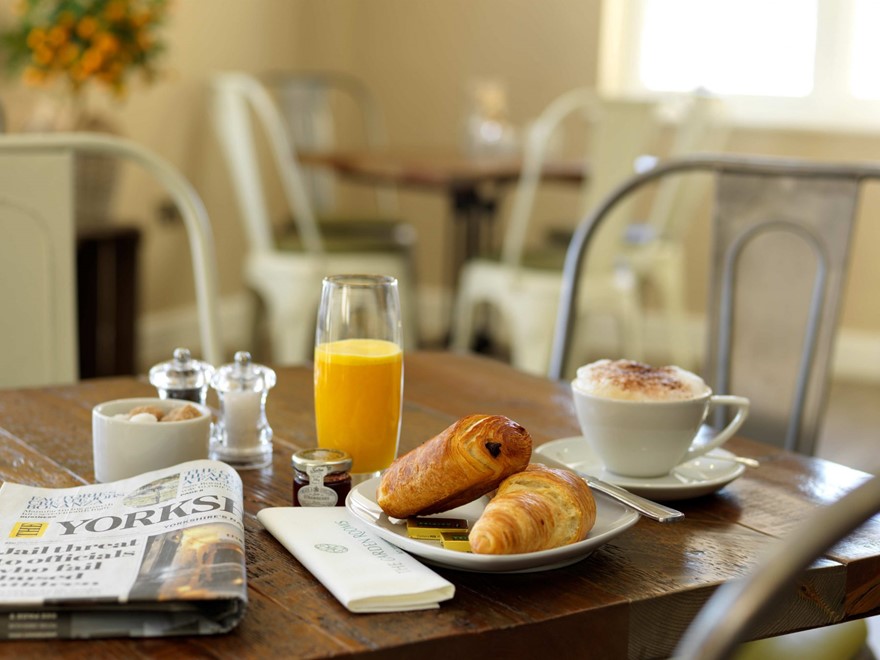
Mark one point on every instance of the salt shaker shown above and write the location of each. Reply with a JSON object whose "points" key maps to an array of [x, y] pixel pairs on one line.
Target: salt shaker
{"points": [[182, 377], [242, 437]]}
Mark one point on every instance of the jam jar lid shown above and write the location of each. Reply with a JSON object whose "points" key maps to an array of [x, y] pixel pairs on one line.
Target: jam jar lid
{"points": [[335, 459], [182, 372], [243, 375]]}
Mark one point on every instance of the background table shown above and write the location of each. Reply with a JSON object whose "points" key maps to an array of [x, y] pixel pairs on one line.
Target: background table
{"points": [[633, 597], [472, 184]]}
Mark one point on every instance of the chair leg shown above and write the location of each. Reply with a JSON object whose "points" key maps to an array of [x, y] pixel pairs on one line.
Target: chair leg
{"points": [[291, 337], [463, 315], [531, 332], [631, 322], [411, 327]]}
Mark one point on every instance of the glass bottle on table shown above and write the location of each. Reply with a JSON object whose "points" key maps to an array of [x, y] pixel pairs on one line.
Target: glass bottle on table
{"points": [[359, 370]]}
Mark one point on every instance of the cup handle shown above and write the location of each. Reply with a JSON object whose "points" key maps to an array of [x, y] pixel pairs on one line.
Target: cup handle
{"points": [[742, 405]]}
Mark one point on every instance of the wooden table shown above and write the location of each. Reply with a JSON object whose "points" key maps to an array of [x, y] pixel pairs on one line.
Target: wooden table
{"points": [[633, 597], [471, 183]]}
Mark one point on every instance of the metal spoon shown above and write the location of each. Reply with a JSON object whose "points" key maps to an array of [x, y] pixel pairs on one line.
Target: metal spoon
{"points": [[748, 462], [644, 506]]}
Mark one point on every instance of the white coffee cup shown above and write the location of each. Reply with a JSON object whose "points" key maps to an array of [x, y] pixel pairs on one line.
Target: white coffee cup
{"points": [[647, 433], [123, 448]]}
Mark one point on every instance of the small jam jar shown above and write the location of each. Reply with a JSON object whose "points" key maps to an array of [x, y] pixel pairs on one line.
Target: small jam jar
{"points": [[320, 477]]}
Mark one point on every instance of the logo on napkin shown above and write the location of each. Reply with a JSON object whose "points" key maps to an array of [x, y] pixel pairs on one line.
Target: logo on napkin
{"points": [[331, 547]]}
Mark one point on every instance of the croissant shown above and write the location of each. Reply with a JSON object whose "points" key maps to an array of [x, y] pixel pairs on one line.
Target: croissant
{"points": [[536, 509], [466, 460]]}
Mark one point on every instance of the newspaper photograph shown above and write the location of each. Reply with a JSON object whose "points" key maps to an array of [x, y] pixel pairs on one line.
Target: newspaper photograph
{"points": [[161, 553]]}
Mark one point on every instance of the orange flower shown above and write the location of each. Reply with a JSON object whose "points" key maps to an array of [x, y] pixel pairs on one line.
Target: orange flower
{"points": [[35, 38], [115, 11], [57, 36], [43, 55], [86, 27], [91, 60], [68, 54], [106, 43], [141, 19], [66, 19]]}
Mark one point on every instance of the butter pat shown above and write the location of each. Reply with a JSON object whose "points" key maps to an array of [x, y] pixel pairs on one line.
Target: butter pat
{"points": [[457, 540], [431, 529]]}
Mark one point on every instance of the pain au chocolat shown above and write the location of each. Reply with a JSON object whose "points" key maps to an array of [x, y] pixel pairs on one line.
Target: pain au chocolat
{"points": [[466, 460]]}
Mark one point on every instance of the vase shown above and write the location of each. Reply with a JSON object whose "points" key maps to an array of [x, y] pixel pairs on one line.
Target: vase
{"points": [[96, 177], [96, 174]]}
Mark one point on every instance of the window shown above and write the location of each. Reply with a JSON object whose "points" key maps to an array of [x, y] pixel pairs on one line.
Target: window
{"points": [[789, 62], [866, 50]]}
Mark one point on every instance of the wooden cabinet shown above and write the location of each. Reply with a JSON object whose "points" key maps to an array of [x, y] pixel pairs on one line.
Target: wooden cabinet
{"points": [[107, 300]]}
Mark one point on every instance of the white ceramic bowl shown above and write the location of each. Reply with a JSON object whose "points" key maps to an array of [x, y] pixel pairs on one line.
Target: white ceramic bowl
{"points": [[123, 448]]}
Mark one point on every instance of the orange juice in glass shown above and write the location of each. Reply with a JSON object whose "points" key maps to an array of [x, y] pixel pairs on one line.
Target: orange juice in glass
{"points": [[359, 370]]}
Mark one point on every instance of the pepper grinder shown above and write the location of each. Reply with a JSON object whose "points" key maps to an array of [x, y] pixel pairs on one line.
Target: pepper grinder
{"points": [[182, 377], [242, 437]]}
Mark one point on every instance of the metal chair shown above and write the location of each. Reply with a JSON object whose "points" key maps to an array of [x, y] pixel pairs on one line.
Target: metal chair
{"points": [[315, 106], [734, 612], [781, 239], [38, 328], [523, 286], [652, 252], [627, 259], [286, 275], [780, 244]]}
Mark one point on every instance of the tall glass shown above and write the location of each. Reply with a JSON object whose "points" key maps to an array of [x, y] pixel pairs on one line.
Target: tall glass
{"points": [[359, 370]]}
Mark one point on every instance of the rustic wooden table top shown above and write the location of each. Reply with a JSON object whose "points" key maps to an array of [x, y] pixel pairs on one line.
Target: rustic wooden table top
{"points": [[633, 597]]}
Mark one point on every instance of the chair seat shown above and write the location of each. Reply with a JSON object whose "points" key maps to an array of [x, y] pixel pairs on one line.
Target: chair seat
{"points": [[548, 258], [350, 234], [526, 298], [842, 641]]}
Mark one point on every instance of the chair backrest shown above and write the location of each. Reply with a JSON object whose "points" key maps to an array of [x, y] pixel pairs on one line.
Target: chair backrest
{"points": [[38, 329], [315, 106], [735, 609], [781, 238], [238, 100], [616, 133], [581, 103], [701, 129]]}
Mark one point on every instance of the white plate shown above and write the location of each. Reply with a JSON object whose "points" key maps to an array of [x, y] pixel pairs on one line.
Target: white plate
{"points": [[695, 478], [612, 518]]}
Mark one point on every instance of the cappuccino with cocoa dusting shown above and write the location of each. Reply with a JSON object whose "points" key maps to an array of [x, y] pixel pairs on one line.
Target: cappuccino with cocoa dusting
{"points": [[634, 381]]}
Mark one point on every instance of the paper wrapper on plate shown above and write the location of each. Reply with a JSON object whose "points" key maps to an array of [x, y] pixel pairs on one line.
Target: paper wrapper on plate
{"points": [[364, 572]]}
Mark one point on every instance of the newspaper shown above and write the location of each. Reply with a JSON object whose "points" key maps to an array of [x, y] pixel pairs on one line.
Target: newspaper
{"points": [[158, 554]]}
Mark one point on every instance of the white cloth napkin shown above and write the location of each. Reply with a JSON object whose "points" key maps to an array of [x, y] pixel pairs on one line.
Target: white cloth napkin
{"points": [[364, 572]]}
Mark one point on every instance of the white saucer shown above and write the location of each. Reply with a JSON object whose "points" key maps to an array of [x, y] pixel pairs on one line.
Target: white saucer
{"points": [[612, 518], [700, 476]]}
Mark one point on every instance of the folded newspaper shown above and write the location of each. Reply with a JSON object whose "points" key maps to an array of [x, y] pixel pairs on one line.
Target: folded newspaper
{"points": [[158, 554]]}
